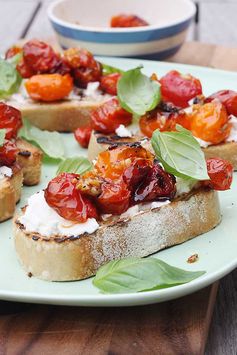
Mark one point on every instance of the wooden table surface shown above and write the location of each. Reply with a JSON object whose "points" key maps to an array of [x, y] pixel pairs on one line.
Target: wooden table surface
{"points": [[28, 19]]}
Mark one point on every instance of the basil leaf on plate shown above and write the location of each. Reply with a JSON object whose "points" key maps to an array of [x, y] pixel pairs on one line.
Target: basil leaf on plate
{"points": [[2, 136], [49, 142], [180, 153], [140, 274], [10, 79], [77, 165], [137, 93], [108, 69]]}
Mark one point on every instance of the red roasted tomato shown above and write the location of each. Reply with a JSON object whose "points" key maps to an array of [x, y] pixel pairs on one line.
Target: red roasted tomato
{"points": [[108, 83], [114, 197], [210, 122], [157, 184], [85, 68], [220, 172], [179, 89], [61, 194], [228, 98], [10, 119], [39, 56], [83, 135], [107, 118], [136, 172], [163, 120], [123, 20], [8, 153]]}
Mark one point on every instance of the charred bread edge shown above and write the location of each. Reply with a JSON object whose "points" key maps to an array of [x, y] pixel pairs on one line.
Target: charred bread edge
{"points": [[75, 258]]}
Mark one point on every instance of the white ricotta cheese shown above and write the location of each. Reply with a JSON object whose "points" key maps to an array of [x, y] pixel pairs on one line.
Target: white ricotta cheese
{"points": [[233, 133], [5, 172], [184, 186], [203, 143], [41, 218], [122, 131]]}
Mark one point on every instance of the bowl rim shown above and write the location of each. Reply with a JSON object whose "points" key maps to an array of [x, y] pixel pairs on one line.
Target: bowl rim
{"points": [[64, 23]]}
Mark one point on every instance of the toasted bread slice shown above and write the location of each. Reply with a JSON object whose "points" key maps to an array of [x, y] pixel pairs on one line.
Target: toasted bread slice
{"points": [[30, 160], [10, 192], [65, 258], [62, 116], [99, 143]]}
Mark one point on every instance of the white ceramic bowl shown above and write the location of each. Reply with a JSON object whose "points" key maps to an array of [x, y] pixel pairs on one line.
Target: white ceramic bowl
{"points": [[85, 23]]}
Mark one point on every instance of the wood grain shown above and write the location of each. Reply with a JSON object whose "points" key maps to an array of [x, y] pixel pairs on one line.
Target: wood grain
{"points": [[175, 327]]}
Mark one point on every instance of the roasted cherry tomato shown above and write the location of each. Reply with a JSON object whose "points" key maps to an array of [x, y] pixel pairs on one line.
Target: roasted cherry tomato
{"points": [[49, 87], [85, 68], [108, 83], [24, 69], [228, 98], [112, 163], [163, 120], [39, 56], [62, 195], [109, 116], [123, 20], [136, 172], [210, 122], [10, 119], [11, 52], [83, 135], [220, 172], [8, 153], [158, 184], [114, 197], [179, 89]]}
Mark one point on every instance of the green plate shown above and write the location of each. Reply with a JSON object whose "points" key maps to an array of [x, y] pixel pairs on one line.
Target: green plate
{"points": [[216, 249]]}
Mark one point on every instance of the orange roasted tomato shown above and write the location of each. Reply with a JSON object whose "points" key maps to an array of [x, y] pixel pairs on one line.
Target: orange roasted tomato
{"points": [[62, 195], [108, 83], [109, 116], [85, 68], [123, 20], [11, 52], [228, 98], [209, 122], [49, 87], [164, 118], [220, 172], [112, 163], [179, 89], [114, 197]]}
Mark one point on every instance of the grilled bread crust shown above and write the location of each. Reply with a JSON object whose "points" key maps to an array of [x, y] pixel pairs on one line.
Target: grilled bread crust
{"points": [[58, 258], [99, 143]]}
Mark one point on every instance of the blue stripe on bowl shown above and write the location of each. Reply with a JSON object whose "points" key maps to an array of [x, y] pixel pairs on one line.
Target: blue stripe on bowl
{"points": [[120, 37]]}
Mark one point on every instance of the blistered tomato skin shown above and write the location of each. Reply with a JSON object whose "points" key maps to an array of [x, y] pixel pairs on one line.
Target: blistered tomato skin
{"points": [[39, 56], [24, 69], [114, 198], [209, 122], [228, 98], [179, 89], [85, 68], [108, 83], [220, 172], [83, 135], [136, 172], [123, 20], [162, 120], [10, 119], [158, 184], [49, 87], [8, 153], [109, 116], [61, 194]]}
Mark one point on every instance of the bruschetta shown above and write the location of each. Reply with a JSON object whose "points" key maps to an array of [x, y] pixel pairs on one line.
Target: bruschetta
{"points": [[127, 205]]}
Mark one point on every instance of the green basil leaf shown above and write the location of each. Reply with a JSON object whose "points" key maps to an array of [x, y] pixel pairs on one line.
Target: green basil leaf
{"points": [[180, 153], [10, 79], [2, 136], [77, 165], [49, 142], [140, 274], [137, 93], [15, 59], [108, 69]]}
